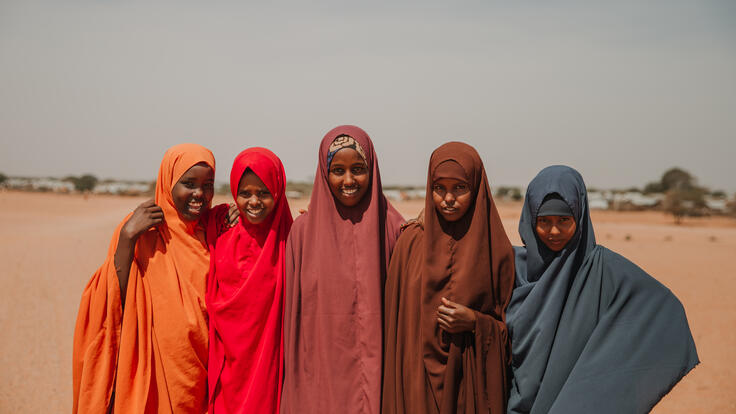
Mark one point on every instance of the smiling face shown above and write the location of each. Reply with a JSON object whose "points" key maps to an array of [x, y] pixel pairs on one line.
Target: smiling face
{"points": [[451, 197], [192, 194], [255, 202], [348, 177], [555, 231]]}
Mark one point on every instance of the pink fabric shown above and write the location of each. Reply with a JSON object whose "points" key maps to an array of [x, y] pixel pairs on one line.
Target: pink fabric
{"points": [[245, 297], [336, 264]]}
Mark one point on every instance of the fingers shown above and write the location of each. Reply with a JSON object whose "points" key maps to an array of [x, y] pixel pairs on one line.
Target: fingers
{"points": [[444, 310], [444, 325], [148, 203], [448, 303]]}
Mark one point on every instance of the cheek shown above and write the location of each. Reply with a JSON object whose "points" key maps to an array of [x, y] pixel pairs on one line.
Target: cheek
{"points": [[179, 194], [269, 204], [541, 232], [465, 201], [209, 194], [363, 180], [334, 182], [437, 199], [241, 203]]}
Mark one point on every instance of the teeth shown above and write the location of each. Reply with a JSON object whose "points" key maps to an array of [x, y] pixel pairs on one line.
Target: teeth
{"points": [[254, 212], [349, 191]]}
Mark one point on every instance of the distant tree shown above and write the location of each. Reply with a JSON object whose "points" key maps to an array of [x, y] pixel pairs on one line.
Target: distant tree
{"points": [[677, 178], [85, 183], [653, 187], [674, 178], [513, 193], [502, 192], [3, 177], [516, 194], [718, 194]]}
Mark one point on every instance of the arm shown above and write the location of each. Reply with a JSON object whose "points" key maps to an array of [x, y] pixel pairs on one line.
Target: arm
{"points": [[145, 216]]}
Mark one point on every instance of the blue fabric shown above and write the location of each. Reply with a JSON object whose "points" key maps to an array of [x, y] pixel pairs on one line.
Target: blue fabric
{"points": [[590, 331]]}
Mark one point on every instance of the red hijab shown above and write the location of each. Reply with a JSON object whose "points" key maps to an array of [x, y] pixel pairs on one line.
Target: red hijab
{"points": [[335, 269], [245, 297]]}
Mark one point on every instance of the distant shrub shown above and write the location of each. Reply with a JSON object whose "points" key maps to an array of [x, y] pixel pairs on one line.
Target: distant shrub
{"points": [[83, 184]]}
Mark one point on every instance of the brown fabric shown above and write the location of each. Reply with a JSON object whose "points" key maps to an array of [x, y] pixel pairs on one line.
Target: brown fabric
{"points": [[336, 260], [470, 262]]}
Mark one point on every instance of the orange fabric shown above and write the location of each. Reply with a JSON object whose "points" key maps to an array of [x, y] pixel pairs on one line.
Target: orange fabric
{"points": [[155, 354]]}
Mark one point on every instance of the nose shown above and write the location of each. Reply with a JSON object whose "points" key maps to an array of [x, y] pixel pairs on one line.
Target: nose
{"points": [[554, 230], [449, 198], [253, 200], [197, 192], [349, 179]]}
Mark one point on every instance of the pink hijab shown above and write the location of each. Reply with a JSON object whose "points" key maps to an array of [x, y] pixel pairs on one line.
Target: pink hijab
{"points": [[336, 261], [245, 297]]}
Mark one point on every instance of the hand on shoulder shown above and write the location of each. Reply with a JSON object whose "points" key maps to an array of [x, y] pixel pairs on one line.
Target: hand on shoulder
{"points": [[144, 217]]}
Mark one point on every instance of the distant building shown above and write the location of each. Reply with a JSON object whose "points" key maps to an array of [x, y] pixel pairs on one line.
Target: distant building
{"points": [[597, 201]]}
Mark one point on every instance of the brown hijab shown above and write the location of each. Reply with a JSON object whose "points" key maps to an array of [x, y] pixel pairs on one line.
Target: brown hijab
{"points": [[336, 260], [469, 262]]}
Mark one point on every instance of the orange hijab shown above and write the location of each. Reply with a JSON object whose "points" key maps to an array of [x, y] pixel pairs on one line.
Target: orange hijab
{"points": [[154, 355]]}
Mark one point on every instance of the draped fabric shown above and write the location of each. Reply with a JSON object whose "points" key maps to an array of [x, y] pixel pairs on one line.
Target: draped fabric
{"points": [[470, 262], [336, 260], [590, 331], [153, 356], [245, 296]]}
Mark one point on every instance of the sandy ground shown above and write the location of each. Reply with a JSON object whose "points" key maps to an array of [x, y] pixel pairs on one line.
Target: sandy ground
{"points": [[51, 245]]}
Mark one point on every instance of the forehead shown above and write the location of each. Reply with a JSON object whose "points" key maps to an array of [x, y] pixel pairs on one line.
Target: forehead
{"points": [[250, 178], [447, 181], [347, 156], [199, 171]]}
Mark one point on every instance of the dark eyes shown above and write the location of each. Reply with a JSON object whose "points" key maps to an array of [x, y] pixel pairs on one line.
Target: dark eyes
{"points": [[260, 194], [356, 170], [191, 185], [458, 188]]}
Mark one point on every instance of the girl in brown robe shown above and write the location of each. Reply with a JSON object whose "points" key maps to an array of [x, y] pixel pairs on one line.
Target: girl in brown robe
{"points": [[449, 281]]}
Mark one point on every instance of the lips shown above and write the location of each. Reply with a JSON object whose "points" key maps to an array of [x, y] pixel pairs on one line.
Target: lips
{"points": [[195, 206], [255, 212], [449, 210], [349, 191]]}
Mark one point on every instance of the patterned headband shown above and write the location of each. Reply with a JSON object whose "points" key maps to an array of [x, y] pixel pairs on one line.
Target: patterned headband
{"points": [[344, 141]]}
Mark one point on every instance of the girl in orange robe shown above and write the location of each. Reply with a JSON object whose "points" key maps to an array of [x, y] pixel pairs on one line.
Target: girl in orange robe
{"points": [[145, 351]]}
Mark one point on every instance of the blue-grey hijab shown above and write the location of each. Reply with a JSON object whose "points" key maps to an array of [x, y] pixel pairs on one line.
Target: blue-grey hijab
{"points": [[590, 331]]}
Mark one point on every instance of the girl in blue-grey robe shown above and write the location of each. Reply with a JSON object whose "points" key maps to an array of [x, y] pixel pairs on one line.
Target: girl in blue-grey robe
{"points": [[591, 332]]}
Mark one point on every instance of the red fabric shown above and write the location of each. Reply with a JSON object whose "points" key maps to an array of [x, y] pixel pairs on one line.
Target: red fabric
{"points": [[335, 268], [245, 297]]}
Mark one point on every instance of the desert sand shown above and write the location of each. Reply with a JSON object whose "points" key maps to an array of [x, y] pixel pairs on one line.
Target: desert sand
{"points": [[51, 245]]}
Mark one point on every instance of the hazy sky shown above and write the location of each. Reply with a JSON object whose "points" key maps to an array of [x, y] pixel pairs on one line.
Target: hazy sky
{"points": [[621, 90]]}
